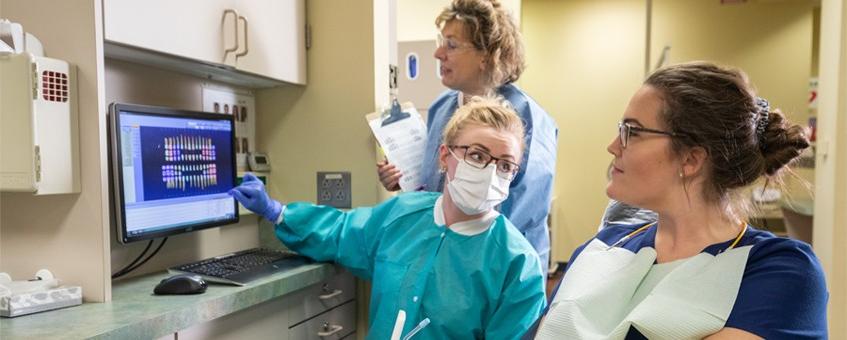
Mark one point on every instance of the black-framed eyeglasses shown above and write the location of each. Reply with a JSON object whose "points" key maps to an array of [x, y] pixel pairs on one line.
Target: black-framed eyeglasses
{"points": [[479, 158], [626, 130]]}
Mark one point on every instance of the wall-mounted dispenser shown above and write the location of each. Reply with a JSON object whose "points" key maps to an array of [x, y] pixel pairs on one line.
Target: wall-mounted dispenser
{"points": [[39, 138]]}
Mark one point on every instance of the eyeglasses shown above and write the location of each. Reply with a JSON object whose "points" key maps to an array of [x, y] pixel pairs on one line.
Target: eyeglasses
{"points": [[625, 130], [478, 158], [450, 45]]}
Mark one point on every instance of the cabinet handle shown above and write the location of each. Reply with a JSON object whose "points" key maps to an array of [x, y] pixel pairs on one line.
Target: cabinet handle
{"points": [[227, 51], [334, 293], [246, 41], [330, 330]]}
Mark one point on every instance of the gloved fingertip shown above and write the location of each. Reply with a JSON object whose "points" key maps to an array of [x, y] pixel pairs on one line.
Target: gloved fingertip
{"points": [[238, 195]]}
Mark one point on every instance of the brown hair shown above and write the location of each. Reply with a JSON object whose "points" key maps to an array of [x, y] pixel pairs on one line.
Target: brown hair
{"points": [[495, 113], [715, 108], [491, 30]]}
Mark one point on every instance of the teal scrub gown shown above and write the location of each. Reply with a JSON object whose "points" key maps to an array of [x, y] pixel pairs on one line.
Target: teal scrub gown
{"points": [[481, 281]]}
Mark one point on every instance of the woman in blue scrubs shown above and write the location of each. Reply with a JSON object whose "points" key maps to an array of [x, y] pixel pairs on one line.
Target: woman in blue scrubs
{"points": [[443, 265], [690, 140], [480, 53]]}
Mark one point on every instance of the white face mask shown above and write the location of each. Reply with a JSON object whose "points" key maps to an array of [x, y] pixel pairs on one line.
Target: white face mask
{"points": [[476, 191]]}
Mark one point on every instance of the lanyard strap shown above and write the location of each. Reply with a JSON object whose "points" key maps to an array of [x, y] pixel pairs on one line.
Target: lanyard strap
{"points": [[630, 235], [738, 238], [645, 227]]}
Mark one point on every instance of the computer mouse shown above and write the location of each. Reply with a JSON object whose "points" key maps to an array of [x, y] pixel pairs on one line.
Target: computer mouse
{"points": [[181, 284]]}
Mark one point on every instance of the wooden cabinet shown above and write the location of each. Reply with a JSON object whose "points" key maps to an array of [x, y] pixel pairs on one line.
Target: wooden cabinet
{"points": [[193, 29], [338, 323], [276, 39], [230, 40], [326, 310]]}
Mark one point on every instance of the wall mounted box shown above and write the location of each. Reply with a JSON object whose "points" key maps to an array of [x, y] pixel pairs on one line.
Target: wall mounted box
{"points": [[39, 125]]}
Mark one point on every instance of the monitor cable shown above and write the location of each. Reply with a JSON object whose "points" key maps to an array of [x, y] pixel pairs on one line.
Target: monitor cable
{"points": [[133, 266]]}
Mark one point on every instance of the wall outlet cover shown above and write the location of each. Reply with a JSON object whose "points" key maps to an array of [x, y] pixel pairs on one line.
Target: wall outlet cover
{"points": [[334, 189]]}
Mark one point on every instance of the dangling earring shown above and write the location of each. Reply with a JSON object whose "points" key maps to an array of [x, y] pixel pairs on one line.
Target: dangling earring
{"points": [[442, 170], [681, 175]]}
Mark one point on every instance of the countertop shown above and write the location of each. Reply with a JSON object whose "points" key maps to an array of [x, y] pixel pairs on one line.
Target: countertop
{"points": [[135, 313]]}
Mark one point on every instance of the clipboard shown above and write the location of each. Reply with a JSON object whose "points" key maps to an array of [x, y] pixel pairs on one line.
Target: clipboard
{"points": [[401, 133], [394, 114]]}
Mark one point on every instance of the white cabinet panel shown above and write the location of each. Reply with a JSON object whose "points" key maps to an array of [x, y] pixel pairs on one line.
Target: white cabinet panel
{"points": [[275, 44], [267, 35], [187, 28]]}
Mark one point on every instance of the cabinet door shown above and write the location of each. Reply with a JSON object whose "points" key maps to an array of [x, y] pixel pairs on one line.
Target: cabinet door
{"points": [[192, 29], [276, 43], [262, 321]]}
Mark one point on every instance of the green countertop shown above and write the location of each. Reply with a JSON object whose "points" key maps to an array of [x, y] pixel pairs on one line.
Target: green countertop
{"points": [[135, 313]]}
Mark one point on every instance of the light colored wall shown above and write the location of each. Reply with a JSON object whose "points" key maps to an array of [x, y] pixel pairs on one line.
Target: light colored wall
{"points": [[416, 18], [138, 84], [771, 41], [585, 60], [321, 127], [65, 233], [830, 233]]}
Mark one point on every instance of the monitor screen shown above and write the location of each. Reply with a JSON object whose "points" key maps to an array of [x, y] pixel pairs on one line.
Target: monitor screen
{"points": [[171, 170]]}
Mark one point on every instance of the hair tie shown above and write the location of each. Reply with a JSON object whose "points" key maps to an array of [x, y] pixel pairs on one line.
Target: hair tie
{"points": [[763, 110]]}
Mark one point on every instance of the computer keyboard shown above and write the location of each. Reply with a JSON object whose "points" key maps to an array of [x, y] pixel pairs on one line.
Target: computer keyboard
{"points": [[242, 267]]}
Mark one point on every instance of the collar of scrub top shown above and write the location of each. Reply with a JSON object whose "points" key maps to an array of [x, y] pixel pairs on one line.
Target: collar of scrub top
{"points": [[466, 228], [653, 240]]}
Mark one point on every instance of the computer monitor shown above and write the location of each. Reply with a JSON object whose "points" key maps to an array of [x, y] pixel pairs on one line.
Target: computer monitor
{"points": [[171, 170]]}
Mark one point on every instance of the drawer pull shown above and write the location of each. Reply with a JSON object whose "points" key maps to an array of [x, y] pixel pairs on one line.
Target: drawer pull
{"points": [[330, 329], [331, 295]]}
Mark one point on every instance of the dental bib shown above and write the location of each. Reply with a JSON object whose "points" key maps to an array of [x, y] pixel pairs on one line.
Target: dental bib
{"points": [[607, 290]]}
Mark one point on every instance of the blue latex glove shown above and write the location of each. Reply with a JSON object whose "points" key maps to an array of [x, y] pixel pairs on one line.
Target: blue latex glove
{"points": [[252, 195]]}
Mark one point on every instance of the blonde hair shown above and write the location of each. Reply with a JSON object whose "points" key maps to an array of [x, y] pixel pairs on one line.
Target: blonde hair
{"points": [[492, 30], [495, 113]]}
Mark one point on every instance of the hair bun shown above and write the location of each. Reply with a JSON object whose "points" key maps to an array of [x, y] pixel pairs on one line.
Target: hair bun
{"points": [[783, 143]]}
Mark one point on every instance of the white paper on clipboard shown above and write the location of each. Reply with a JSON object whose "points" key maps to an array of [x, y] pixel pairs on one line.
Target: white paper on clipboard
{"points": [[403, 143]]}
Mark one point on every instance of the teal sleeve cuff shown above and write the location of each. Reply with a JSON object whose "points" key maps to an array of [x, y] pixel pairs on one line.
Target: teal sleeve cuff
{"points": [[281, 214]]}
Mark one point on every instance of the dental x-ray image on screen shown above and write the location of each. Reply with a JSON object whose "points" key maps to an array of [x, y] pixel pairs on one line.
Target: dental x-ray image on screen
{"points": [[171, 170]]}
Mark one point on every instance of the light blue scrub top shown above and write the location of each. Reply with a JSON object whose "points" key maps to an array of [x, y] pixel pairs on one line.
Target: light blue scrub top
{"points": [[483, 283], [529, 194]]}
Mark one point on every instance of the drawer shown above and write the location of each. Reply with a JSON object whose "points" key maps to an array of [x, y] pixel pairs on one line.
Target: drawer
{"points": [[337, 323], [320, 297]]}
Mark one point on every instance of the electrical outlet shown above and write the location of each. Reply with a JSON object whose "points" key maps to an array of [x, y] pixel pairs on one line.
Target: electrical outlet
{"points": [[334, 189]]}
